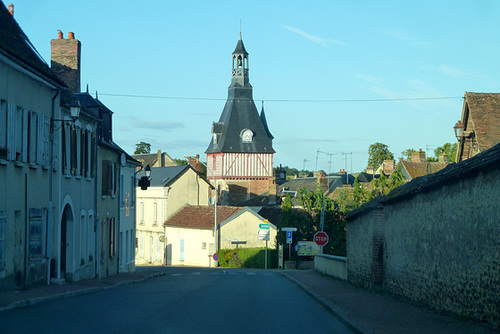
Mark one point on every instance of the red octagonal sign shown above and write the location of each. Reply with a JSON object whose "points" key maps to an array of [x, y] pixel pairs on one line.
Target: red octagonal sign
{"points": [[321, 238]]}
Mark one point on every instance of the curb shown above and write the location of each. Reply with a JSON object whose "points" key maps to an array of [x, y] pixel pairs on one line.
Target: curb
{"points": [[33, 301], [334, 310]]}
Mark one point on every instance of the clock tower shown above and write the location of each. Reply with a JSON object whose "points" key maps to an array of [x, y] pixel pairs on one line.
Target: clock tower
{"points": [[240, 154]]}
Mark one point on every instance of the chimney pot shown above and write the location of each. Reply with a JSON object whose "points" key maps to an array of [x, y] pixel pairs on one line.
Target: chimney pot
{"points": [[71, 35], [60, 34], [11, 9]]}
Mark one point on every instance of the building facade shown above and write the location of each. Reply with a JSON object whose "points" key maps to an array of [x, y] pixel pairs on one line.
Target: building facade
{"points": [[171, 189], [240, 154]]}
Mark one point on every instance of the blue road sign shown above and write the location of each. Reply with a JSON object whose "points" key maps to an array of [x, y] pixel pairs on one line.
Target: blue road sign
{"points": [[289, 237]]}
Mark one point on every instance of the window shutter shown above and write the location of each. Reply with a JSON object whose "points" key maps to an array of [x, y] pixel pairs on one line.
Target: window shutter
{"points": [[11, 130]]}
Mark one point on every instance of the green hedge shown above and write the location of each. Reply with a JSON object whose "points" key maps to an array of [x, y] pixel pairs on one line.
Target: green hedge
{"points": [[248, 258]]}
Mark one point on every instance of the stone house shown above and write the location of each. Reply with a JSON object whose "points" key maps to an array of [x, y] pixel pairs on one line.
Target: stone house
{"points": [[481, 124], [171, 189], [189, 234], [434, 240], [160, 159], [419, 166]]}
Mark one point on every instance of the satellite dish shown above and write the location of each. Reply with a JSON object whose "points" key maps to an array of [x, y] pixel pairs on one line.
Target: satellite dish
{"points": [[211, 200]]}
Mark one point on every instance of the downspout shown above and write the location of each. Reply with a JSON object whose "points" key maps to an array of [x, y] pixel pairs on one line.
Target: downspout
{"points": [[50, 219]]}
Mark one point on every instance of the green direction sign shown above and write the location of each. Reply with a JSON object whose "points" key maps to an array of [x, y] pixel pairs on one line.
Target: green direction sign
{"points": [[264, 226]]}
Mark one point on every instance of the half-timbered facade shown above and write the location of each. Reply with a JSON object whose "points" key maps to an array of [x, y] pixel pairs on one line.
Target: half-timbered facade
{"points": [[240, 154]]}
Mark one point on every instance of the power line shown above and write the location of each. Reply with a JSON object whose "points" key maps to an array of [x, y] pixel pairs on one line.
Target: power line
{"points": [[284, 100]]}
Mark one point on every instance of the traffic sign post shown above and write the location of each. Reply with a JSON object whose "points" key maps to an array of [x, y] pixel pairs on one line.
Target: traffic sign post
{"points": [[264, 235], [216, 257]]}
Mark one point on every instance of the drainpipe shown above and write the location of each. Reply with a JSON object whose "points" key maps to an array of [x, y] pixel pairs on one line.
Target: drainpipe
{"points": [[50, 218]]}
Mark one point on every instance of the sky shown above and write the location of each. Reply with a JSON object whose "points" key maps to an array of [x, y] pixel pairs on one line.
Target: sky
{"points": [[334, 76]]}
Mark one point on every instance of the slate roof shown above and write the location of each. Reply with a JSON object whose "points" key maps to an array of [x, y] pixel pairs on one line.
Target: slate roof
{"points": [[165, 176], [417, 169], [240, 48], [201, 217], [240, 113], [152, 158], [484, 112], [454, 172], [15, 45]]}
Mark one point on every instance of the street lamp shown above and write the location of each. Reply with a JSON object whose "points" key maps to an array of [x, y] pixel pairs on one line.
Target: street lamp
{"points": [[459, 130], [215, 200], [145, 181]]}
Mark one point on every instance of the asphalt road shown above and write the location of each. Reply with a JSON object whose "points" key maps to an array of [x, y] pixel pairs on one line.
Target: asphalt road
{"points": [[184, 300]]}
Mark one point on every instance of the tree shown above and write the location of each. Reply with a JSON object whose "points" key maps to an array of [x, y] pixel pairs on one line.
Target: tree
{"points": [[406, 154], [181, 162], [377, 153], [142, 148], [450, 150], [397, 178]]}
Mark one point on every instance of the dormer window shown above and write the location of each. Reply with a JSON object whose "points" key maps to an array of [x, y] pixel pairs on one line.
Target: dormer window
{"points": [[246, 136]]}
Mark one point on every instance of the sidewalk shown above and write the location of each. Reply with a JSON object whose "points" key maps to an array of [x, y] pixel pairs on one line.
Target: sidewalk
{"points": [[369, 312], [34, 295]]}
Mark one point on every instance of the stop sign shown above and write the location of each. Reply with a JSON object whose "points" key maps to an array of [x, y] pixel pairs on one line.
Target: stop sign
{"points": [[321, 238]]}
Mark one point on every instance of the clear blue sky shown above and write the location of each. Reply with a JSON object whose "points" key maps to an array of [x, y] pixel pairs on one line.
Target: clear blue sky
{"points": [[343, 52]]}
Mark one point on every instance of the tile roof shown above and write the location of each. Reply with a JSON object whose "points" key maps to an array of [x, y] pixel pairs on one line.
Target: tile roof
{"points": [[164, 176], [201, 217], [454, 172], [15, 45], [152, 159], [417, 169], [484, 112]]}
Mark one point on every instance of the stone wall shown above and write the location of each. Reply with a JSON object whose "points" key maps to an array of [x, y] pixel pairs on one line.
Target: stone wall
{"points": [[334, 266], [437, 245]]}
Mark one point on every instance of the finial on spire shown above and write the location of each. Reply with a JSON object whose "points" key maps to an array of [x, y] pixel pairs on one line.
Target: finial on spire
{"points": [[240, 28]]}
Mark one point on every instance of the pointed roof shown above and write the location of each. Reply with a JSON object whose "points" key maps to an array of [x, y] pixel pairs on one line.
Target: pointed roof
{"points": [[264, 122], [483, 111], [15, 45], [239, 115], [240, 47]]}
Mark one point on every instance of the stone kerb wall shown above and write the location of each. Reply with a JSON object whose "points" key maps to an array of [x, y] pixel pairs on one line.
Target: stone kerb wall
{"points": [[335, 266], [440, 247]]}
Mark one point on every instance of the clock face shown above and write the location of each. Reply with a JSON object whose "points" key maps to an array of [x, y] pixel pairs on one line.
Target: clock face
{"points": [[247, 136]]}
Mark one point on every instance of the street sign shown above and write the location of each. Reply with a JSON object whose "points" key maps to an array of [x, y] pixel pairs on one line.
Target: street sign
{"points": [[266, 238], [289, 229], [263, 233], [321, 238], [266, 226], [289, 237], [216, 257]]}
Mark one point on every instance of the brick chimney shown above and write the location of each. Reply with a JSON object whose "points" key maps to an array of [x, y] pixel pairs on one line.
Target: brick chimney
{"points": [[11, 9], [195, 162], [65, 60], [443, 157], [418, 156], [323, 183]]}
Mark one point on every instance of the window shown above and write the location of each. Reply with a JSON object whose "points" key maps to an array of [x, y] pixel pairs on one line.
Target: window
{"points": [[155, 213], [122, 192], [112, 237], [83, 238], [109, 169], [141, 213], [3, 232], [132, 191], [181, 244], [32, 137], [3, 128], [36, 234], [11, 130], [159, 250], [141, 245]]}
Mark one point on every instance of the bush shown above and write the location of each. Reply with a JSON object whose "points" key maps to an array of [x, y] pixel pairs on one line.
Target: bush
{"points": [[248, 258]]}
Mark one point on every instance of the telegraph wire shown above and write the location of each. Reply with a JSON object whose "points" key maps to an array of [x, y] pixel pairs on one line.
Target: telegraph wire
{"points": [[285, 100]]}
